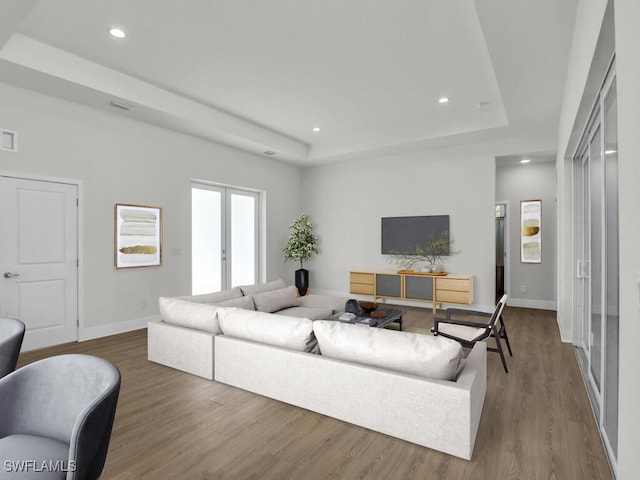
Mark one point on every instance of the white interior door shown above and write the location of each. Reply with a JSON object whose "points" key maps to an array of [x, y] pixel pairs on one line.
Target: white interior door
{"points": [[39, 259]]}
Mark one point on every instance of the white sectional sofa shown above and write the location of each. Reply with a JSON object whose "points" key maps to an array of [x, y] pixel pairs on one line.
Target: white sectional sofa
{"points": [[408, 385]]}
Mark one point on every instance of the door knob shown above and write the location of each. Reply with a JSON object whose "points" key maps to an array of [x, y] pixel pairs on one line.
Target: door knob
{"points": [[10, 275]]}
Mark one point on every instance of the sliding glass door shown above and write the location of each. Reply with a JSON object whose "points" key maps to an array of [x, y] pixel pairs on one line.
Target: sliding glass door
{"points": [[224, 237], [597, 262]]}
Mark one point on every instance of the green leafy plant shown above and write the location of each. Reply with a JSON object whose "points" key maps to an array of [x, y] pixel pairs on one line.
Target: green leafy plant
{"points": [[432, 253], [302, 243], [436, 249]]}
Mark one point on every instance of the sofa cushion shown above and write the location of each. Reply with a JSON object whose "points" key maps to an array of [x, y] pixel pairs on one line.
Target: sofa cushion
{"points": [[307, 312], [270, 328], [336, 304], [214, 297], [185, 313], [263, 287], [242, 302], [414, 353], [275, 300]]}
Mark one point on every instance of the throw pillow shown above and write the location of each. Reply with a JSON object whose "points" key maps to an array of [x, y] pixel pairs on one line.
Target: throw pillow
{"points": [[275, 300], [414, 353], [214, 297], [263, 287], [242, 302]]}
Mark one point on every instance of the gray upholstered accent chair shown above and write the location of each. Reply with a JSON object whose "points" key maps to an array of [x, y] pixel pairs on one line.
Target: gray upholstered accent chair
{"points": [[11, 335], [57, 413], [458, 326]]}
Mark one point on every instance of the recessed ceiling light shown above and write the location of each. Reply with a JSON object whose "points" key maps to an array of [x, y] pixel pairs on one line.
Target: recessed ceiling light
{"points": [[610, 152], [117, 32], [443, 100], [316, 129], [525, 160]]}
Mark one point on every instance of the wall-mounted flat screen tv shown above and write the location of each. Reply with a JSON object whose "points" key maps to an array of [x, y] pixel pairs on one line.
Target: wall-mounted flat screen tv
{"points": [[401, 234]]}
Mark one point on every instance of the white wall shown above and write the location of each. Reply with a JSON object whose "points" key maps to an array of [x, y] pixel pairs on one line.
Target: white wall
{"points": [[627, 19], [346, 202], [528, 182], [125, 161]]}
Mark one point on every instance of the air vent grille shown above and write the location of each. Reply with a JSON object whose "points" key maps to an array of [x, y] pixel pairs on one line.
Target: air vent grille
{"points": [[122, 105], [8, 140], [269, 152]]}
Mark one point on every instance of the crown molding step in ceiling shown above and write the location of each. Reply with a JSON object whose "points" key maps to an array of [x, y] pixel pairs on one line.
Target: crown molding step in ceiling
{"points": [[266, 78]]}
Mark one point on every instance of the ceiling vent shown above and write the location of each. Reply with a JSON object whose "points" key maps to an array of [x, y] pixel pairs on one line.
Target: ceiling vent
{"points": [[269, 152], [122, 105]]}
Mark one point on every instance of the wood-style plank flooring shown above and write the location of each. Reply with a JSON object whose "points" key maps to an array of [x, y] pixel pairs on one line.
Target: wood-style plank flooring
{"points": [[536, 422]]}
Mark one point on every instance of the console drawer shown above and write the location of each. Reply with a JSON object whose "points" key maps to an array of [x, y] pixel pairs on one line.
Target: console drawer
{"points": [[450, 296], [455, 284], [360, 277], [362, 283], [362, 288]]}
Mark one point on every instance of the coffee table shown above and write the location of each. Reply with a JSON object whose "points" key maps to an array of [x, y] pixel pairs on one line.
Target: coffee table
{"points": [[365, 319]]}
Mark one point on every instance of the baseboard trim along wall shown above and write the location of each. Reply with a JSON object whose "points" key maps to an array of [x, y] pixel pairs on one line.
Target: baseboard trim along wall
{"points": [[89, 333], [527, 303]]}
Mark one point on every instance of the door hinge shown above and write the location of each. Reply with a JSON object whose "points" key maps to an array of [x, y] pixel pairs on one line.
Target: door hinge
{"points": [[78, 322], [77, 263], [77, 202]]}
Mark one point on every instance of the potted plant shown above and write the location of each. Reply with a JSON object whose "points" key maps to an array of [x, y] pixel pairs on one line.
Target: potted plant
{"points": [[302, 244]]}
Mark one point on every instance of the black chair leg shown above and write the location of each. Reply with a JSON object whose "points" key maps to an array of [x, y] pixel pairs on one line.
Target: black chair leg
{"points": [[503, 333], [499, 348]]}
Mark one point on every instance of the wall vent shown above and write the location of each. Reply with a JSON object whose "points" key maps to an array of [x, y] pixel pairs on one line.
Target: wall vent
{"points": [[122, 105], [8, 140]]}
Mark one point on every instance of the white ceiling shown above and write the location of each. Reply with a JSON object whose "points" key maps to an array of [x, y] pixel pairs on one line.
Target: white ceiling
{"points": [[259, 75]]}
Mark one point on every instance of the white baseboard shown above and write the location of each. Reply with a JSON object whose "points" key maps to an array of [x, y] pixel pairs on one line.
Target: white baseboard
{"points": [[89, 333], [527, 303]]}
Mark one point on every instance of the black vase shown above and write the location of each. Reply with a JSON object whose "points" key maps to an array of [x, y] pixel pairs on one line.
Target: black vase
{"points": [[302, 281]]}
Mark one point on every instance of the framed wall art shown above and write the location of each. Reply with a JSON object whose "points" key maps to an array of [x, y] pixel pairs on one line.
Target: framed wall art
{"points": [[531, 231], [138, 236]]}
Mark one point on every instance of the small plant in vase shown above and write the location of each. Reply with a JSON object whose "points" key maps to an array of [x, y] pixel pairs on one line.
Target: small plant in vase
{"points": [[432, 254], [434, 251], [302, 244]]}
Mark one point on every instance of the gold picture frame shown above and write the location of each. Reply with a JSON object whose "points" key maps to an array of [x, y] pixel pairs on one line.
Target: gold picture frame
{"points": [[137, 236], [531, 231]]}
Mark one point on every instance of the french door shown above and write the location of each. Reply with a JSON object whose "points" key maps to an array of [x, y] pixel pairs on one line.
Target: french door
{"points": [[596, 287], [225, 237]]}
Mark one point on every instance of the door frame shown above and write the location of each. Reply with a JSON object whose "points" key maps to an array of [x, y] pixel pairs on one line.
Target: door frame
{"points": [[507, 245], [80, 233]]}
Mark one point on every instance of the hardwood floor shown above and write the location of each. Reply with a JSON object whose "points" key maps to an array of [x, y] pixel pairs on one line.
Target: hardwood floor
{"points": [[536, 422]]}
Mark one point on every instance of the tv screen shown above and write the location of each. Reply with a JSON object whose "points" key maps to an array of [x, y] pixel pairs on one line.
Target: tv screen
{"points": [[402, 234]]}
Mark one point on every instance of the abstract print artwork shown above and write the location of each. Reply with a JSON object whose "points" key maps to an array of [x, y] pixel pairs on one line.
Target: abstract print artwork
{"points": [[530, 231], [138, 236]]}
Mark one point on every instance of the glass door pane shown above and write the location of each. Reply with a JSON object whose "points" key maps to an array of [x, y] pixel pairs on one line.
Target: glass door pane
{"points": [[206, 239], [595, 194], [610, 417], [243, 252]]}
